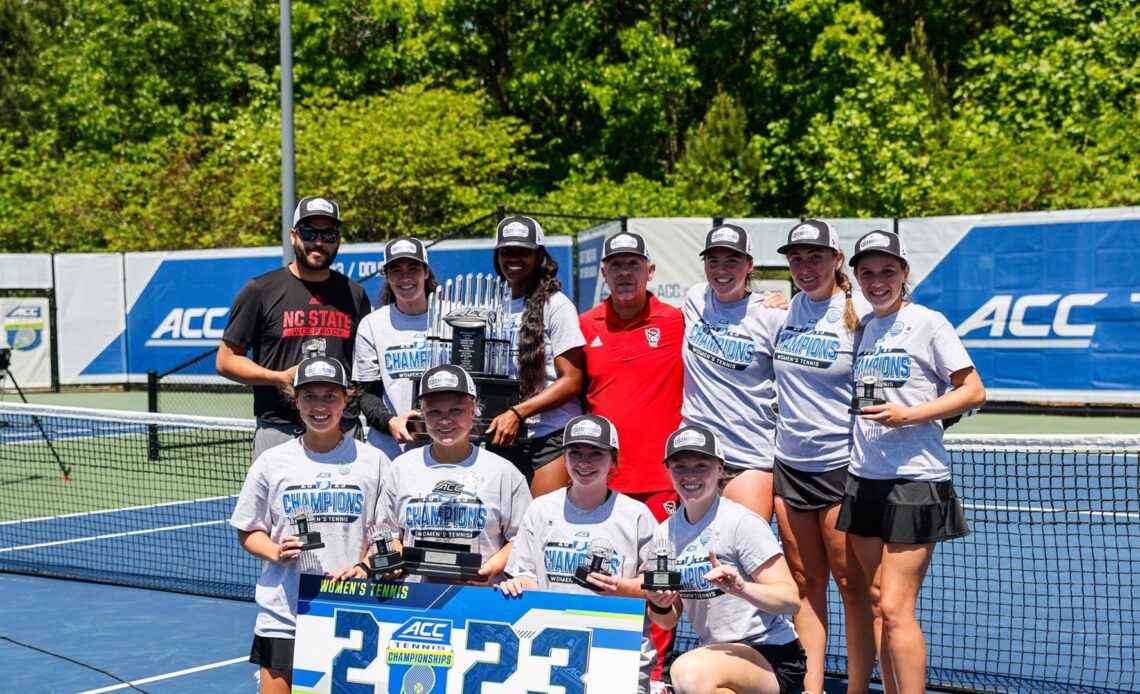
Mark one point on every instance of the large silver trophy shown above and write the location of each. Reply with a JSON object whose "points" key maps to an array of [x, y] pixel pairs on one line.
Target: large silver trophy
{"points": [[469, 325]]}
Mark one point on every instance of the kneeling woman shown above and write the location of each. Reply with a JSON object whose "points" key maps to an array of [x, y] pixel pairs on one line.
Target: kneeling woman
{"points": [[451, 490], [562, 528], [276, 489], [735, 585]]}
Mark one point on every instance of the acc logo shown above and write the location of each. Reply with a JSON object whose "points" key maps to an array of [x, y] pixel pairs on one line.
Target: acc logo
{"points": [[1006, 319], [24, 327], [448, 487], [421, 629], [195, 326]]}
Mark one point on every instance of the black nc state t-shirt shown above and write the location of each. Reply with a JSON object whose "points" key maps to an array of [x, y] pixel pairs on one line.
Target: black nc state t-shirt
{"points": [[278, 314]]}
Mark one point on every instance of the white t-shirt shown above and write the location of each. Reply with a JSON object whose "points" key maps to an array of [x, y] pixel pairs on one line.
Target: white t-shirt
{"points": [[337, 488], [813, 363], [742, 539], [730, 385], [913, 351], [478, 502], [555, 536], [390, 346], [563, 333]]}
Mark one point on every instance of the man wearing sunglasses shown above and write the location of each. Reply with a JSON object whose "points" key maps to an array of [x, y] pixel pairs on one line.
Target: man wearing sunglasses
{"points": [[303, 309]]}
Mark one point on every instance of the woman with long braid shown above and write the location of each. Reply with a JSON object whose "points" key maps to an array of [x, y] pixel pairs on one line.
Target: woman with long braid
{"points": [[546, 348]]}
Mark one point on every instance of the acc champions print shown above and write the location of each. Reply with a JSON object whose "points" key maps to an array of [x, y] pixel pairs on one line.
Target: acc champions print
{"points": [[361, 636]]}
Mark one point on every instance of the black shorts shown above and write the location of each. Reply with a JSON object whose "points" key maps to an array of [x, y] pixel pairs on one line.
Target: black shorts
{"points": [[529, 454], [808, 491], [903, 511], [272, 653], [788, 661]]}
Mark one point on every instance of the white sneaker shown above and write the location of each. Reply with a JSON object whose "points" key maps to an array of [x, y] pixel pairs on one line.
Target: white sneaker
{"points": [[659, 687]]}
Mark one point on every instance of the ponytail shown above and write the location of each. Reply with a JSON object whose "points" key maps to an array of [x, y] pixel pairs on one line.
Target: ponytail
{"points": [[850, 316]]}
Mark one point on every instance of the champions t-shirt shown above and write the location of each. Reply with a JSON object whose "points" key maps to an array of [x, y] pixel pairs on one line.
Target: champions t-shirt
{"points": [[912, 353], [742, 539], [390, 346], [337, 488], [477, 503], [555, 539], [730, 385], [278, 314], [813, 363]]}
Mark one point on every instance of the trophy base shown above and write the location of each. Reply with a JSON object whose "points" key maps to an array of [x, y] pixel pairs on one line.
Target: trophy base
{"points": [[385, 563], [437, 560], [310, 541], [579, 577], [858, 403], [661, 580]]}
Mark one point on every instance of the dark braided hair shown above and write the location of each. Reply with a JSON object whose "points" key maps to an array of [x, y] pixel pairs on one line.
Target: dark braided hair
{"points": [[541, 285]]}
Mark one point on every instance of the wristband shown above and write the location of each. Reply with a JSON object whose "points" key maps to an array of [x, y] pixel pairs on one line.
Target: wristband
{"points": [[361, 565], [516, 413], [659, 610]]}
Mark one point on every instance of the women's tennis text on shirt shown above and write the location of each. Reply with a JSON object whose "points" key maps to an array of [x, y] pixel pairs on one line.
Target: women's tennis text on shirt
{"points": [[720, 345], [807, 347], [693, 567]]}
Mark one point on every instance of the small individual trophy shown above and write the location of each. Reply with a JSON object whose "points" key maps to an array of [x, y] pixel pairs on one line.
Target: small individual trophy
{"points": [[443, 560], [596, 561], [310, 539], [385, 559], [869, 386], [663, 576]]}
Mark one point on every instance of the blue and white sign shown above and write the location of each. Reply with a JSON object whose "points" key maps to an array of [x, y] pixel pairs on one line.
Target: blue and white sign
{"points": [[177, 303], [361, 636], [1048, 311]]}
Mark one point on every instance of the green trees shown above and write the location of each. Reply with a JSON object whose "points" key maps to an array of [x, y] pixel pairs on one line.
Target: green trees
{"points": [[147, 124]]}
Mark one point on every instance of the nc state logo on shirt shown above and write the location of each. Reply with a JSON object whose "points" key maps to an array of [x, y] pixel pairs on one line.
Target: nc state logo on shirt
{"points": [[653, 336]]}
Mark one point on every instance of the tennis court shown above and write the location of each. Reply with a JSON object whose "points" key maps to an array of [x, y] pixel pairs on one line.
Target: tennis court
{"points": [[1038, 598]]}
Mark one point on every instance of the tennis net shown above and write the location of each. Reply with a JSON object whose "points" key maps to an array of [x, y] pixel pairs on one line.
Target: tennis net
{"points": [[137, 499], [1041, 596]]}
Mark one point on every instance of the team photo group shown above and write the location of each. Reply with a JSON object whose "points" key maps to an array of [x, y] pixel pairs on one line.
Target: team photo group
{"points": [[579, 453]]}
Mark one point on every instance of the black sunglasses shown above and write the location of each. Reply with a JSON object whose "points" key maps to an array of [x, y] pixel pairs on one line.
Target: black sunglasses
{"points": [[309, 234]]}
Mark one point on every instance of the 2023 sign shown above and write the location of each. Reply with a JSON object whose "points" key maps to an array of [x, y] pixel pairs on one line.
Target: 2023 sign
{"points": [[362, 638]]}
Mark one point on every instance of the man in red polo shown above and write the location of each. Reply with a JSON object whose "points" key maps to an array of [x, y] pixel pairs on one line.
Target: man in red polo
{"points": [[633, 377]]}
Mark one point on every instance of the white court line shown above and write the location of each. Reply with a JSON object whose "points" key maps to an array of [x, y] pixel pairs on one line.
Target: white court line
{"points": [[159, 678], [81, 514], [1041, 509], [111, 536]]}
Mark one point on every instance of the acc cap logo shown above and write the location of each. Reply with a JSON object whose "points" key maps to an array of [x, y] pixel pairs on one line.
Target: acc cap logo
{"points": [[804, 231], [623, 241], [586, 428], [443, 379], [515, 230], [403, 247], [689, 438], [875, 241], [729, 235], [320, 368]]}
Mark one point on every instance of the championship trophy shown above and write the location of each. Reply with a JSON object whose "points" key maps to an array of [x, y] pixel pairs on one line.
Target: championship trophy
{"points": [[385, 559], [469, 325], [867, 393], [664, 575], [596, 561], [310, 539]]}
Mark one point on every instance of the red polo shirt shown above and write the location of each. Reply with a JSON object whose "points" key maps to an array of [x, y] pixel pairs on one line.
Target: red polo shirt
{"points": [[634, 378]]}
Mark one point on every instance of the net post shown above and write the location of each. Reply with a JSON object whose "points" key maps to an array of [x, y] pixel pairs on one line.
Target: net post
{"points": [[152, 448]]}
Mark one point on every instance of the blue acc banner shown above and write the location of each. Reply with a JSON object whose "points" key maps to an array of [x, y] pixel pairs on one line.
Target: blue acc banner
{"points": [[376, 637], [178, 302], [1047, 311]]}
